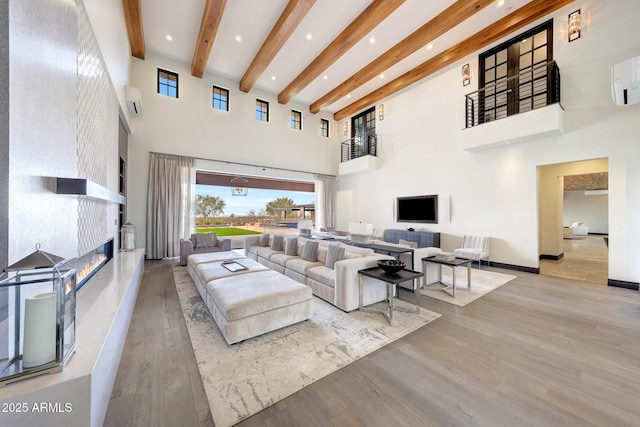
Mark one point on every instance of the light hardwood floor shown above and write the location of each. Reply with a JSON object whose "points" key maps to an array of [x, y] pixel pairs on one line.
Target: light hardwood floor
{"points": [[538, 351], [585, 259]]}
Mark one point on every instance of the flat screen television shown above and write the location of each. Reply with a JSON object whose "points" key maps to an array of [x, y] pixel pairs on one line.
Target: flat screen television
{"points": [[417, 209]]}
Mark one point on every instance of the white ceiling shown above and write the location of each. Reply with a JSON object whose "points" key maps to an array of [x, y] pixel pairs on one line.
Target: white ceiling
{"points": [[252, 20]]}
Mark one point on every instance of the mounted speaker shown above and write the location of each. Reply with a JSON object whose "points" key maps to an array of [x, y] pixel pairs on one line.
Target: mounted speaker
{"points": [[134, 100]]}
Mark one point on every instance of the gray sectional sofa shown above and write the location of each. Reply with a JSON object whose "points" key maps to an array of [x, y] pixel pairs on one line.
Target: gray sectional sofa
{"points": [[335, 281]]}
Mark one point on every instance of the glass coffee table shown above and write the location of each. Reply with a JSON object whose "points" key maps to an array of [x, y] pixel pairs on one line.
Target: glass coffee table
{"points": [[457, 262], [391, 280]]}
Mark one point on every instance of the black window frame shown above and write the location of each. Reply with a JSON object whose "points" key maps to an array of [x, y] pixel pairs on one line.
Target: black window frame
{"points": [[324, 128], [220, 101], [161, 85], [295, 121], [506, 94], [264, 112]]}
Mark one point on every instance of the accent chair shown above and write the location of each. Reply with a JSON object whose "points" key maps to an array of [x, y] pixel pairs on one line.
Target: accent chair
{"points": [[475, 248]]}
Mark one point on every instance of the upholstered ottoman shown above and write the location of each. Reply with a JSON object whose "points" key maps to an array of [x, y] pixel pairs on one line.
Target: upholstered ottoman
{"points": [[247, 305], [197, 259], [204, 272]]}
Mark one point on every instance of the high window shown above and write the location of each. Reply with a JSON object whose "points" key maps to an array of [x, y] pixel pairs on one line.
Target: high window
{"points": [[262, 110], [363, 134], [324, 127], [516, 75], [296, 120], [167, 83], [220, 98]]}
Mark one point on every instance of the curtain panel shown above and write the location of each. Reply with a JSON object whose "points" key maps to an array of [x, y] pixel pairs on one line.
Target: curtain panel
{"points": [[326, 188], [170, 204]]}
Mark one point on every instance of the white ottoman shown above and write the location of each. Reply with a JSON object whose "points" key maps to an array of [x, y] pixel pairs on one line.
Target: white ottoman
{"points": [[247, 305]]}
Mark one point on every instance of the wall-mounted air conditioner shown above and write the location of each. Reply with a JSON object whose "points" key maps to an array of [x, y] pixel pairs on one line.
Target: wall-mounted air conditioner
{"points": [[134, 100], [625, 80]]}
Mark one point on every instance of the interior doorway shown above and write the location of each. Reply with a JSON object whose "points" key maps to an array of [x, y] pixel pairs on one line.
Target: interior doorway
{"points": [[573, 220]]}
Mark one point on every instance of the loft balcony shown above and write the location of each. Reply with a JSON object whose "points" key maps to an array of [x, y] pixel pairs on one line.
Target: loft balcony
{"points": [[358, 154], [520, 108]]}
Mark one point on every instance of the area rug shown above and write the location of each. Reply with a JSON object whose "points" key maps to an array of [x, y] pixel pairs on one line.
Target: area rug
{"points": [[242, 379], [482, 282]]}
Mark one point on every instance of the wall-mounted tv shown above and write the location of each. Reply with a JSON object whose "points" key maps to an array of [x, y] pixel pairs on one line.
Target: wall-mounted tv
{"points": [[417, 209]]}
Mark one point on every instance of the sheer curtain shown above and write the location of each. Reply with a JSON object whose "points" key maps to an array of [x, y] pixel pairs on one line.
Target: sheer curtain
{"points": [[170, 204], [325, 201]]}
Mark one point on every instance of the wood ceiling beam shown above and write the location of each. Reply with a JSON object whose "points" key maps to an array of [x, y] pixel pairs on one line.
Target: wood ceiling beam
{"points": [[289, 20], [133, 19], [445, 21], [211, 17], [516, 20], [373, 15]]}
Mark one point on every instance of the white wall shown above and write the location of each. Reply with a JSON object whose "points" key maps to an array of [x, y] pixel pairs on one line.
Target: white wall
{"points": [[593, 211], [110, 29], [189, 126], [494, 191]]}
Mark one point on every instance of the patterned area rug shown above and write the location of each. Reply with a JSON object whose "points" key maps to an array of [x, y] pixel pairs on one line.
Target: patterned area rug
{"points": [[482, 282], [242, 379]]}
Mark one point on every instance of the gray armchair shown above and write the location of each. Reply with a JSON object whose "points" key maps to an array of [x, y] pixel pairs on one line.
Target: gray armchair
{"points": [[202, 243]]}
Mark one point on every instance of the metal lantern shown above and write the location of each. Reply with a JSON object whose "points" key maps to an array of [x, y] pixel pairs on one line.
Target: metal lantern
{"points": [[39, 334], [128, 237]]}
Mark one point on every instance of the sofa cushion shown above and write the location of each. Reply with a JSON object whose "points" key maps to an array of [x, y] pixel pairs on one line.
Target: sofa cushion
{"points": [[322, 274], [205, 240], [277, 243], [291, 246], [300, 265], [282, 258], [264, 240], [310, 251], [334, 253], [267, 252]]}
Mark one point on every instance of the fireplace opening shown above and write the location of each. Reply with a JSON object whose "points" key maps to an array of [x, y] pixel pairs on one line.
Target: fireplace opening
{"points": [[90, 263]]}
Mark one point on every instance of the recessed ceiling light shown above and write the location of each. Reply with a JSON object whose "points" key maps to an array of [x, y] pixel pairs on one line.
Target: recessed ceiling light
{"points": [[348, 95], [500, 3], [273, 77], [372, 40], [238, 38], [169, 37], [309, 36], [325, 77], [381, 75], [429, 46]]}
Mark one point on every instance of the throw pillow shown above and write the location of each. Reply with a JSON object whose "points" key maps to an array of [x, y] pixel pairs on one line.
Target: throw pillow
{"points": [[412, 245], [310, 251], [205, 240], [277, 243], [264, 240], [291, 246], [334, 253]]}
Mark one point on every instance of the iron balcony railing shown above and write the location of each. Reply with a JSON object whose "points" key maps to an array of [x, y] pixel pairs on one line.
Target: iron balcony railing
{"points": [[533, 88], [358, 146]]}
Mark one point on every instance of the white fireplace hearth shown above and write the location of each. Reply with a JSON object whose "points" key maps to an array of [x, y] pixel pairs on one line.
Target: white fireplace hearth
{"points": [[79, 395]]}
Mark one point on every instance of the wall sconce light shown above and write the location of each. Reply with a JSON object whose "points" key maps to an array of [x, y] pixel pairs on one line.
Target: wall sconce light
{"points": [[574, 26], [345, 128], [381, 112], [466, 75]]}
